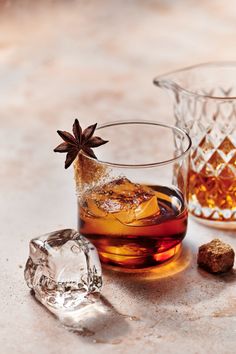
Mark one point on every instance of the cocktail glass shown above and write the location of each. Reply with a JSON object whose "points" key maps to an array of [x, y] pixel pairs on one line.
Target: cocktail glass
{"points": [[132, 199]]}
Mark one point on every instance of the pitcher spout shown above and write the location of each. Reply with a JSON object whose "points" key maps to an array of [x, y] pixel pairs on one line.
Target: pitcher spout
{"points": [[168, 83], [165, 83]]}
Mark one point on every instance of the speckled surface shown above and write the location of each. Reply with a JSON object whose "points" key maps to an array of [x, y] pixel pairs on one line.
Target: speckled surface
{"points": [[96, 60]]}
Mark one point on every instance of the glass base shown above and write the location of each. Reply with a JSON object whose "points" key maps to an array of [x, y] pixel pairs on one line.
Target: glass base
{"points": [[139, 264], [224, 225]]}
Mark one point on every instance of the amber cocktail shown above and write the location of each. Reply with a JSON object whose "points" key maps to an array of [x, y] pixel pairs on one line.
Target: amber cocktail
{"points": [[135, 214]]}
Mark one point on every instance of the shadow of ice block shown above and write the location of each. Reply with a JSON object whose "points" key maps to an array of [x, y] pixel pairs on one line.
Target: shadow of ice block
{"points": [[63, 268]]}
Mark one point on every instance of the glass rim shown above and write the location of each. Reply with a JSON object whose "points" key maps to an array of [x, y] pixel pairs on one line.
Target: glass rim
{"points": [[191, 67], [148, 165]]}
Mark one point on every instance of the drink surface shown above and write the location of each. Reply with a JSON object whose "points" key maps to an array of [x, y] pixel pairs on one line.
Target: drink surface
{"points": [[132, 225]]}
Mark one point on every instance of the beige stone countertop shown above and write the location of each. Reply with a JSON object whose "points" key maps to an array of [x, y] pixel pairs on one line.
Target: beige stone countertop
{"points": [[96, 60]]}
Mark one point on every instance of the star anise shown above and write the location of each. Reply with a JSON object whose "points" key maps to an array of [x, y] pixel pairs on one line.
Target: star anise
{"points": [[79, 141]]}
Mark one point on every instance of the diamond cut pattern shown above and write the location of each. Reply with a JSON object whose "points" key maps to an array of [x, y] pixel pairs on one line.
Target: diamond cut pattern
{"points": [[211, 125]]}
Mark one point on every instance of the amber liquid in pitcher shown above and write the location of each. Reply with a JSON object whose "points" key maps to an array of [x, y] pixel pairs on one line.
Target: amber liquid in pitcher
{"points": [[212, 184], [133, 226]]}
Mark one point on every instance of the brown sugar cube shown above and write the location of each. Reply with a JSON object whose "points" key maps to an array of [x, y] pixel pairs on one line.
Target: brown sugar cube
{"points": [[216, 256]]}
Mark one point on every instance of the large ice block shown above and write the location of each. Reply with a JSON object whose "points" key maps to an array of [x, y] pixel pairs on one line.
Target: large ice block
{"points": [[122, 199], [63, 268]]}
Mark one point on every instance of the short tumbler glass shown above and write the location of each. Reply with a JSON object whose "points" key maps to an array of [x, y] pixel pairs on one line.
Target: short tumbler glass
{"points": [[132, 200]]}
